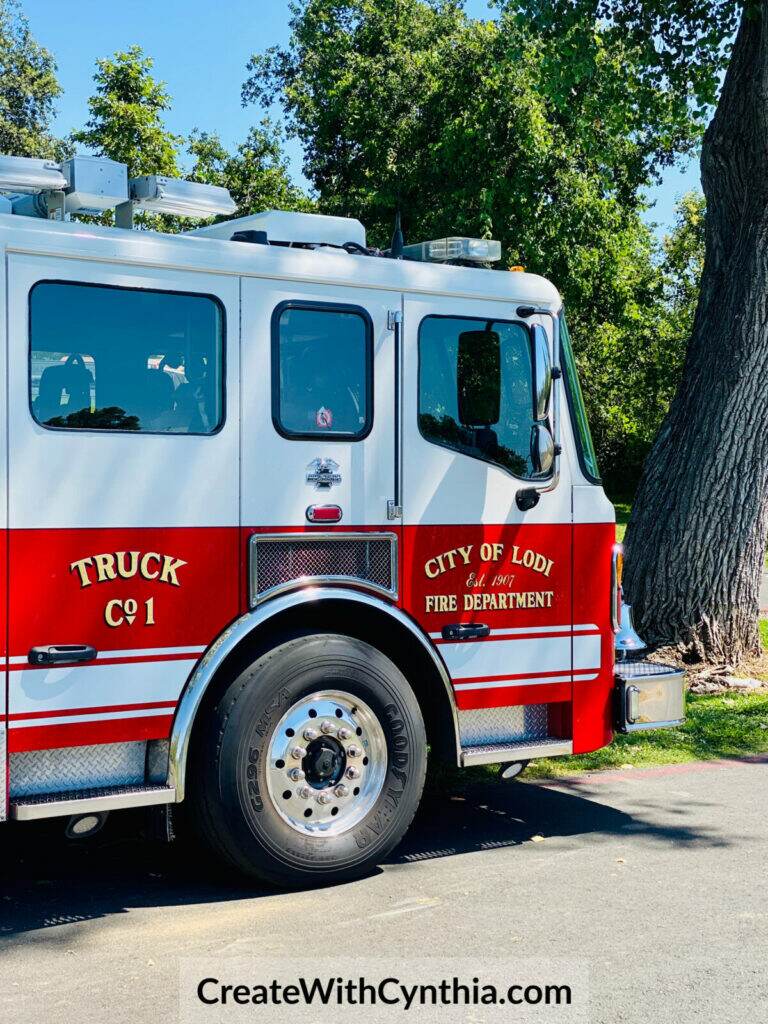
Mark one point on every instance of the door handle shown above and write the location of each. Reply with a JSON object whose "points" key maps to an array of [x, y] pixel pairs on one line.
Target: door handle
{"points": [[465, 630], [61, 653]]}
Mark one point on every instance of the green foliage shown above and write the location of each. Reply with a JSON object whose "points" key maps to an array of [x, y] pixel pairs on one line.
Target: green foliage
{"points": [[681, 47], [465, 124], [630, 368], [125, 122], [684, 258], [28, 88], [256, 174], [623, 512], [543, 141]]}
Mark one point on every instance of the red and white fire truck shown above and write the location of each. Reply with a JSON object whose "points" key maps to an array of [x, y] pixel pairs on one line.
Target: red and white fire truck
{"points": [[281, 513]]}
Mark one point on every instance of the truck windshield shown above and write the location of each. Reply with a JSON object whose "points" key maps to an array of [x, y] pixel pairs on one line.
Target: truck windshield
{"points": [[586, 450]]}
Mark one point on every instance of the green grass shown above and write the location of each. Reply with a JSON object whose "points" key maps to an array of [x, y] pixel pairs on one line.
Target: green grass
{"points": [[718, 725], [623, 508], [763, 627]]}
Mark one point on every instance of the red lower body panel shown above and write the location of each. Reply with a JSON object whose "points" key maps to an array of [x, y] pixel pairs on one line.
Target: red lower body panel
{"points": [[151, 600]]}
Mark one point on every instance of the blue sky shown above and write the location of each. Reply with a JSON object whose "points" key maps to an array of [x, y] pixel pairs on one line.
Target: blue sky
{"points": [[200, 50]]}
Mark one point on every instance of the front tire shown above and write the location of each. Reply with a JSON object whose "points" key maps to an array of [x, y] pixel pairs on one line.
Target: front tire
{"points": [[311, 764]]}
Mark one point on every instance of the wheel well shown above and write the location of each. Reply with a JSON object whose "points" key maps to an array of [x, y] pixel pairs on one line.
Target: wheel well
{"points": [[362, 622]]}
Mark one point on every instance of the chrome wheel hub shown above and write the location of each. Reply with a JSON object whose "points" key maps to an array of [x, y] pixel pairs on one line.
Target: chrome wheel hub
{"points": [[327, 761]]}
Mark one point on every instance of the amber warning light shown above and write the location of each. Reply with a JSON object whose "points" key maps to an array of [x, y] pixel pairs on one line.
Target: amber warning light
{"points": [[617, 570], [324, 514]]}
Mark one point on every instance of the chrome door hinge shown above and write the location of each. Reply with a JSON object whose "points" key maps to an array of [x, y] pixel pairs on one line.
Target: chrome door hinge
{"points": [[394, 317], [394, 511]]}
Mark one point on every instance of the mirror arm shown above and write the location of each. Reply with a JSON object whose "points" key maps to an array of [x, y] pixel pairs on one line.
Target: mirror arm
{"points": [[557, 373]]}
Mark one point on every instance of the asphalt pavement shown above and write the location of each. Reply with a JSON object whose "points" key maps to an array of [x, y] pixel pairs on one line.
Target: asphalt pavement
{"points": [[654, 880]]}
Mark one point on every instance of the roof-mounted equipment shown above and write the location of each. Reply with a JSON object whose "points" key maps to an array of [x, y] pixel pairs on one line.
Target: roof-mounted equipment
{"points": [[26, 175], [92, 184], [43, 188], [289, 228], [444, 250], [156, 193]]}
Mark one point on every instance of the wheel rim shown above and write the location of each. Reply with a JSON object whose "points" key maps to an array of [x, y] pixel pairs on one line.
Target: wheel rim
{"points": [[326, 765]]}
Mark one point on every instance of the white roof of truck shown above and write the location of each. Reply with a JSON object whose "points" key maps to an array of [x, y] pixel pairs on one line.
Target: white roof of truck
{"points": [[286, 226], [215, 255]]}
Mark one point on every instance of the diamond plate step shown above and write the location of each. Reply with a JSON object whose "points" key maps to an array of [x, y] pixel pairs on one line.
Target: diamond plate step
{"points": [[85, 801], [497, 753]]}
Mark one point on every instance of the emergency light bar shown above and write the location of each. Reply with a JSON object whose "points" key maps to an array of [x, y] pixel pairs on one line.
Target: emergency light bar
{"points": [[472, 250], [158, 194], [24, 174]]}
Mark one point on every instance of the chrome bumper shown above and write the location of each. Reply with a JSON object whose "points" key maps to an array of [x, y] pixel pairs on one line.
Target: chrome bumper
{"points": [[648, 696]]}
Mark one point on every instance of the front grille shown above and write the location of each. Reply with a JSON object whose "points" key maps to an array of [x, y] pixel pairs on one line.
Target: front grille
{"points": [[282, 561]]}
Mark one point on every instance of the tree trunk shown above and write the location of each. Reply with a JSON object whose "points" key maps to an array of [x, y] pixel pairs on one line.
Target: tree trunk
{"points": [[696, 539]]}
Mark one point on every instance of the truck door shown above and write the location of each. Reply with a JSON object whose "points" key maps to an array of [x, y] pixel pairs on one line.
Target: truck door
{"points": [[489, 582], [123, 512], [318, 433]]}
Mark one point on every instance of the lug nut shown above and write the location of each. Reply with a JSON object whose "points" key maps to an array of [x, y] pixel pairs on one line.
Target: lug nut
{"points": [[324, 798], [304, 792], [353, 751], [296, 775], [352, 772], [310, 734], [298, 753], [328, 728], [341, 790], [344, 733]]}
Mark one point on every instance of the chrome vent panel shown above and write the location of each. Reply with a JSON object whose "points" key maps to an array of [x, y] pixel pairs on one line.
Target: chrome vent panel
{"points": [[284, 561]]}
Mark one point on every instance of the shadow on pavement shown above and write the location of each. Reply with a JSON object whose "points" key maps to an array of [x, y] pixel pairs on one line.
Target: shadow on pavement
{"points": [[47, 880]]}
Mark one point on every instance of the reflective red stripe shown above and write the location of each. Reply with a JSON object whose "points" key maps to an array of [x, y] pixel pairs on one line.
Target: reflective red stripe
{"points": [[105, 710], [511, 696], [83, 734]]}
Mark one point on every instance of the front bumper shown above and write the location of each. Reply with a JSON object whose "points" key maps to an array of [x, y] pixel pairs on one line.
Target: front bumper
{"points": [[648, 696]]}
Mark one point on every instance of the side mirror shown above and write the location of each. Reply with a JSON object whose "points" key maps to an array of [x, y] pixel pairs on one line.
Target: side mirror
{"points": [[542, 373], [478, 378], [542, 449]]}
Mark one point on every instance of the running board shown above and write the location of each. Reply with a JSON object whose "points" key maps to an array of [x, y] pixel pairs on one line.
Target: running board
{"points": [[89, 801], [498, 753]]}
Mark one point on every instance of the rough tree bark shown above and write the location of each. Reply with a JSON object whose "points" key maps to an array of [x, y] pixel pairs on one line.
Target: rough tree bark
{"points": [[696, 539]]}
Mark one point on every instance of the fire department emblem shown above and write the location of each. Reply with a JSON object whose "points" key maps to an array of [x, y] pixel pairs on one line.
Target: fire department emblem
{"points": [[323, 473]]}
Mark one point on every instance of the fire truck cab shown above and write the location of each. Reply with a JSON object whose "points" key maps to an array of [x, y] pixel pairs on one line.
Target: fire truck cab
{"points": [[281, 513]]}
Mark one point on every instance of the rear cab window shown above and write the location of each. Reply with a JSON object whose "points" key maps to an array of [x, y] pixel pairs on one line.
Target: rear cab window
{"points": [[125, 359], [322, 371]]}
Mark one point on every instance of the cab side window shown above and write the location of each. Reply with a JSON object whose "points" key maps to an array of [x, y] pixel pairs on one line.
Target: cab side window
{"points": [[476, 389], [106, 358], [322, 369]]}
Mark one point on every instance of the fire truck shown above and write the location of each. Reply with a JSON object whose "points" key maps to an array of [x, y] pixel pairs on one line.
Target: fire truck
{"points": [[283, 513]]}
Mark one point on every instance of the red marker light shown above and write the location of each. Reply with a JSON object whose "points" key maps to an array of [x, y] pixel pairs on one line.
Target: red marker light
{"points": [[324, 514]]}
